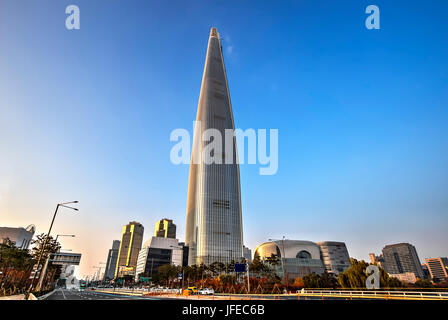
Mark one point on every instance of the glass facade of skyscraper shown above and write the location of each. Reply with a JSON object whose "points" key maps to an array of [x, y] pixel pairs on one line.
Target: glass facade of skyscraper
{"points": [[214, 220]]}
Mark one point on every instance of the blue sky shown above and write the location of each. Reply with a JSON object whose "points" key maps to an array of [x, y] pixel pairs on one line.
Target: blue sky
{"points": [[361, 114]]}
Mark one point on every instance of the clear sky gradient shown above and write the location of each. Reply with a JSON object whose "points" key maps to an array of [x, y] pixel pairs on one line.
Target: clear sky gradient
{"points": [[362, 117]]}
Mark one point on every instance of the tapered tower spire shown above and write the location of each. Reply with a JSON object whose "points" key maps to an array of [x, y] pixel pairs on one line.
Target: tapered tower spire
{"points": [[214, 221]]}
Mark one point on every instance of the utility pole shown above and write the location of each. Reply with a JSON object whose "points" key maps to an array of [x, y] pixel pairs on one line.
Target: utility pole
{"points": [[45, 244], [282, 261], [285, 278], [248, 282]]}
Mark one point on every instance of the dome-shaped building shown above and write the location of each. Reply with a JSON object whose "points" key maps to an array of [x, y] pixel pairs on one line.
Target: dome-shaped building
{"points": [[296, 258]]}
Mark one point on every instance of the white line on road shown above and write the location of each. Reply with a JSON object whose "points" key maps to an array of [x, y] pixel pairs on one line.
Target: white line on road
{"points": [[62, 290]]}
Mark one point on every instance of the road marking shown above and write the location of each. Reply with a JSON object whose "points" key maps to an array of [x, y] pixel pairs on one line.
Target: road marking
{"points": [[62, 290]]}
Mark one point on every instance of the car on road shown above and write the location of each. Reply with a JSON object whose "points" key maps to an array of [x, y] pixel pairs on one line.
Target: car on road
{"points": [[206, 291], [193, 290]]}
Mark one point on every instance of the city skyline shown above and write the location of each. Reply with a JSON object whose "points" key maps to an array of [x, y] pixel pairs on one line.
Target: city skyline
{"points": [[362, 155]]}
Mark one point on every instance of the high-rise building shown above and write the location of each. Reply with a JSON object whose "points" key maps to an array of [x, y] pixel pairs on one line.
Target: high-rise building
{"points": [[111, 263], [131, 243], [156, 252], [335, 256], [214, 221], [402, 258], [165, 228], [20, 236], [438, 268], [247, 254]]}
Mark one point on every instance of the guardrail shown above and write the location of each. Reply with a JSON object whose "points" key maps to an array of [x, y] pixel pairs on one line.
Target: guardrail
{"points": [[397, 295], [300, 294]]}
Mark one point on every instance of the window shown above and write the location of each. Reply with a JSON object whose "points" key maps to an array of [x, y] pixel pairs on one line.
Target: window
{"points": [[221, 204], [303, 255]]}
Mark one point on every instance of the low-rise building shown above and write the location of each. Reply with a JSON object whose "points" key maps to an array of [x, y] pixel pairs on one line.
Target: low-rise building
{"points": [[20, 236], [408, 277], [291, 258]]}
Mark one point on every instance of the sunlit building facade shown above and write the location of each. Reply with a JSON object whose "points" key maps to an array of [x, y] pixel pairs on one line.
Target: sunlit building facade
{"points": [[214, 221], [291, 258], [165, 228], [334, 256], [131, 243], [438, 268]]}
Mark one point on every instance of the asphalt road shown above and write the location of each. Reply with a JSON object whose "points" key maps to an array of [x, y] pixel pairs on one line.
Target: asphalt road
{"points": [[63, 294]]}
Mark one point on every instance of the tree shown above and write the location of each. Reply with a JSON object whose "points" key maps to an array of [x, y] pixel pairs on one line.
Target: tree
{"points": [[395, 283], [259, 267], [355, 276], [312, 281], [423, 283], [168, 273], [273, 260], [298, 283], [15, 266], [52, 246]]}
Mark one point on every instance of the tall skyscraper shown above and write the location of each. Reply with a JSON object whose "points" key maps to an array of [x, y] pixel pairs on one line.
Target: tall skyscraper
{"points": [[214, 222], [402, 258], [111, 263], [131, 243], [165, 228]]}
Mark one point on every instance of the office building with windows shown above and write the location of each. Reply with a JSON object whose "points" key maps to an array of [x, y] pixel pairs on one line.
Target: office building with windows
{"points": [[131, 243], [111, 262], [165, 228], [156, 252], [402, 258], [438, 268], [334, 256], [214, 230], [247, 254]]}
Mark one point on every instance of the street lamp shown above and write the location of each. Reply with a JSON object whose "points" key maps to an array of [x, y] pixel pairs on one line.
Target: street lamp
{"points": [[44, 269], [98, 273], [65, 205], [64, 235], [95, 273]]}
